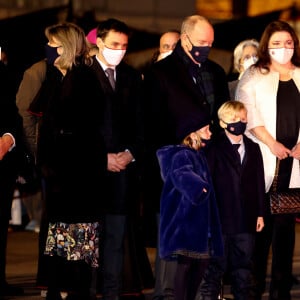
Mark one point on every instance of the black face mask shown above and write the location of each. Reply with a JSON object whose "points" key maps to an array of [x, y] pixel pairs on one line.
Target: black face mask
{"points": [[199, 53], [51, 54], [205, 142], [236, 128]]}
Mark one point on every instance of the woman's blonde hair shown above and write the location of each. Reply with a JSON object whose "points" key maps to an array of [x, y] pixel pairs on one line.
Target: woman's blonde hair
{"points": [[73, 41]]}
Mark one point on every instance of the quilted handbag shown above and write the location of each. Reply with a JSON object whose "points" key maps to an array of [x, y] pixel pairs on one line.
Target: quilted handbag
{"points": [[285, 202]]}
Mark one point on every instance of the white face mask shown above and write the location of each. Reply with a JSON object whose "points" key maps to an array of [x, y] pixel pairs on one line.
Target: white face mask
{"points": [[248, 62], [164, 55], [281, 55], [113, 56]]}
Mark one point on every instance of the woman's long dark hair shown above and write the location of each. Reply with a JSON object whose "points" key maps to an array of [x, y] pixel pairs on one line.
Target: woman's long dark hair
{"points": [[264, 59]]}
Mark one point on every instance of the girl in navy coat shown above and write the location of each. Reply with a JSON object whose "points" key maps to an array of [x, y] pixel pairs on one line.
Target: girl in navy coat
{"points": [[189, 226]]}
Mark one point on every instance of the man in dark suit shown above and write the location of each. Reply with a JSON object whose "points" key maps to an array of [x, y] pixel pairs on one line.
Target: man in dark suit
{"points": [[236, 166], [173, 87], [123, 132], [9, 131]]}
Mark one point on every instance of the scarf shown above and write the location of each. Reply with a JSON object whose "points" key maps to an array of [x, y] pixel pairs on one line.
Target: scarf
{"points": [[201, 74]]}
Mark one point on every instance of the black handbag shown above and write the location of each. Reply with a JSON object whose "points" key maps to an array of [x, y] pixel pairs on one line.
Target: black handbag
{"points": [[28, 174], [285, 202]]}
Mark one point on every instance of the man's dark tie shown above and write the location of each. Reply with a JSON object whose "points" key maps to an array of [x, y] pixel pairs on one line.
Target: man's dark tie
{"points": [[110, 73], [236, 148]]}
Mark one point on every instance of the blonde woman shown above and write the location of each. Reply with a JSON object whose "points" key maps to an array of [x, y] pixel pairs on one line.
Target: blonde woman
{"points": [[72, 158]]}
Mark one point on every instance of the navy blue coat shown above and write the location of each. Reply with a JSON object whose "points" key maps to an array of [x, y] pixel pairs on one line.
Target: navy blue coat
{"points": [[188, 216], [240, 188]]}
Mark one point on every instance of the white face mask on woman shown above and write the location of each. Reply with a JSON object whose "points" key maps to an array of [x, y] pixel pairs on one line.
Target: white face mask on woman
{"points": [[113, 56], [281, 55], [248, 62]]}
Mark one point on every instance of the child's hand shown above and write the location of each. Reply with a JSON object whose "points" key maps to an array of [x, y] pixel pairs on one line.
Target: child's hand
{"points": [[260, 224]]}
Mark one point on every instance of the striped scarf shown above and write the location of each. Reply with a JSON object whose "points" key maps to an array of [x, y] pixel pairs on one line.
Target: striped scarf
{"points": [[202, 76]]}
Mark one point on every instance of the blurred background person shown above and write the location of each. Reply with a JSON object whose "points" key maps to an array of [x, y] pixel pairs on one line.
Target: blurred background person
{"points": [[244, 56], [10, 131], [30, 85], [92, 41], [167, 43]]}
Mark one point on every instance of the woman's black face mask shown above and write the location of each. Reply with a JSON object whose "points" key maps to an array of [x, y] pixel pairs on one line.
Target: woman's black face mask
{"points": [[51, 54]]}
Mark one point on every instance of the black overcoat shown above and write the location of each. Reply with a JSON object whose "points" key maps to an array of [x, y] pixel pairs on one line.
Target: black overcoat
{"points": [[170, 95], [123, 129], [71, 150], [239, 188]]}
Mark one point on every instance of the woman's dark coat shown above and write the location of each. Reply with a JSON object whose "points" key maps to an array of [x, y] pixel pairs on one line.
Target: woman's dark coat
{"points": [[71, 150]]}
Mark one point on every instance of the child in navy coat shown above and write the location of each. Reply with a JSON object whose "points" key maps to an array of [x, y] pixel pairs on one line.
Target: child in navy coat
{"points": [[190, 229], [236, 168]]}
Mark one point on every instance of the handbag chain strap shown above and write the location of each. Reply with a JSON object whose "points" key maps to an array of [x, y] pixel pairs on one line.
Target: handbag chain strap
{"points": [[275, 180]]}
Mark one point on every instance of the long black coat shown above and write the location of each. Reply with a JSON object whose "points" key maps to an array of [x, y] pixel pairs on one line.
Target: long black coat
{"points": [[71, 150], [9, 123], [170, 95], [123, 129], [239, 188]]}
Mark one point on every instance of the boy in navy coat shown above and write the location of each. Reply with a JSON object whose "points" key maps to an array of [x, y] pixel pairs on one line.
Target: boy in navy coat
{"points": [[237, 171]]}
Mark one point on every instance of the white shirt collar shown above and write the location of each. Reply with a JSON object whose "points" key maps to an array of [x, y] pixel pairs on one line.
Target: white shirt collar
{"points": [[103, 65]]}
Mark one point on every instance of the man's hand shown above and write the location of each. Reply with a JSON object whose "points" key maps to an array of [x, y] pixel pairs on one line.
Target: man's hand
{"points": [[117, 162], [113, 164], [6, 142], [124, 158]]}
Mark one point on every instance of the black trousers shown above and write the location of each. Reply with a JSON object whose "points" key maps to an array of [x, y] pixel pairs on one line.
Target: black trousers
{"points": [[238, 261], [279, 231], [79, 272], [188, 276], [6, 197]]}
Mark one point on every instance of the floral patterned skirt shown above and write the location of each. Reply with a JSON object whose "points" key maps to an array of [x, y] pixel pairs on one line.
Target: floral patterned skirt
{"points": [[78, 241]]}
